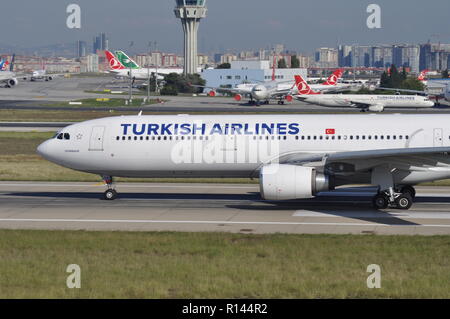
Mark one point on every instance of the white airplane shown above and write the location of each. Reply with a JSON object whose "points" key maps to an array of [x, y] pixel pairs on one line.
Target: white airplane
{"points": [[7, 77], [364, 102], [276, 90], [120, 64], [40, 75], [332, 84], [294, 156], [260, 93]]}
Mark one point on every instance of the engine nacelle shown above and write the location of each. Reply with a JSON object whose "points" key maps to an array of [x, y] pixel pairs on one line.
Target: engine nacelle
{"points": [[284, 182], [50, 78], [212, 93], [238, 97], [12, 82], [289, 98], [376, 108]]}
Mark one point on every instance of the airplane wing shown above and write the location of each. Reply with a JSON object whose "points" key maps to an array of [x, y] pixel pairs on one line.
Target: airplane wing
{"points": [[403, 90], [230, 90], [282, 93], [363, 161]]}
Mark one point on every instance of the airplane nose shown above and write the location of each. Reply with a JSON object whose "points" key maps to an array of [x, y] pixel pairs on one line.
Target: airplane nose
{"points": [[43, 149]]}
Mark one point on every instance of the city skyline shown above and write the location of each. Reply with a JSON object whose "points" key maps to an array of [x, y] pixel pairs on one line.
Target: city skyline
{"points": [[304, 27]]}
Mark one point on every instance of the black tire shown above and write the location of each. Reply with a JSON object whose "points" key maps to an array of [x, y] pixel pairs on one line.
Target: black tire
{"points": [[404, 201], [380, 201], [410, 190], [110, 194]]}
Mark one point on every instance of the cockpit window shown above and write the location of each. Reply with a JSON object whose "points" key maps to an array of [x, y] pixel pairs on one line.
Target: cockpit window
{"points": [[66, 136], [60, 136]]}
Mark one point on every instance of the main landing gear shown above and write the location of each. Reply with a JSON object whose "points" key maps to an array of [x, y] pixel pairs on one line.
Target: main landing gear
{"points": [[110, 193], [401, 198]]}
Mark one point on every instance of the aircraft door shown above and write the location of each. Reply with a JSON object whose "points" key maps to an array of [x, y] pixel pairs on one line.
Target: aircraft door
{"points": [[96, 141], [438, 137]]}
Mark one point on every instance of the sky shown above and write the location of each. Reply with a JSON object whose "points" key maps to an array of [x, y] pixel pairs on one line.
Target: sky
{"points": [[301, 25]]}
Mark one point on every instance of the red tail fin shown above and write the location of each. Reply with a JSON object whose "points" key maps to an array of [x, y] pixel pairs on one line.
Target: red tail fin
{"points": [[332, 80], [422, 75], [303, 87], [114, 64]]}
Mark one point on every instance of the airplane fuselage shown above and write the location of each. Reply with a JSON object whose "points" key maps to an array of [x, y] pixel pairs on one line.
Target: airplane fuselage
{"points": [[239, 146], [395, 101]]}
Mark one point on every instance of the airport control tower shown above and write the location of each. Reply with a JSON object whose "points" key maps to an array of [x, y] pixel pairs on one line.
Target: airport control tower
{"points": [[190, 12]]}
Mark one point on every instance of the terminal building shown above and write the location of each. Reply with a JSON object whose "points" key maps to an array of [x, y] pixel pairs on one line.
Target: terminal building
{"points": [[248, 72]]}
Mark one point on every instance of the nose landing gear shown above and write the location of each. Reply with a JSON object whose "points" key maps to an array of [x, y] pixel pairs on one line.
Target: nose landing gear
{"points": [[110, 193]]}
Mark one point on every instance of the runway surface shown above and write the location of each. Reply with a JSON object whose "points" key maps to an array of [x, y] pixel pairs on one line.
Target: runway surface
{"points": [[214, 207]]}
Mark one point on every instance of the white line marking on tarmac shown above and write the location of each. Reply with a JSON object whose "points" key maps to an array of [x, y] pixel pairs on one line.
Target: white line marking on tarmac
{"points": [[46, 220], [374, 214]]}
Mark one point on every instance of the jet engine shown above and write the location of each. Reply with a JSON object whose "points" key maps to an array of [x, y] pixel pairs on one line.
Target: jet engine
{"points": [[50, 78], [376, 108], [212, 93], [284, 182], [238, 97], [12, 82], [289, 98]]}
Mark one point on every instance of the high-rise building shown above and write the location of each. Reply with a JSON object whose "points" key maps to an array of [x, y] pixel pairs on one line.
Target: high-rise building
{"points": [[326, 58], [190, 12], [361, 56], [345, 56], [81, 49], [100, 43]]}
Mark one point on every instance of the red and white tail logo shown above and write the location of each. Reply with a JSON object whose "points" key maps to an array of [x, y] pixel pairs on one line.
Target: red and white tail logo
{"points": [[332, 80], [303, 87], [114, 64], [5, 66], [422, 75]]}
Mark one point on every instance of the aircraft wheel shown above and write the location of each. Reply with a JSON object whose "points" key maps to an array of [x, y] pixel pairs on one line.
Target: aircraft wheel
{"points": [[408, 190], [110, 194], [404, 201], [380, 201]]}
